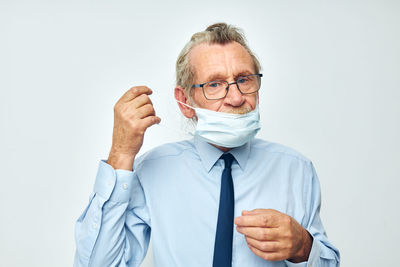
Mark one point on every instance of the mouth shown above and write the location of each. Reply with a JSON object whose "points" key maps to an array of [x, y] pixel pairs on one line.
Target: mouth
{"points": [[239, 110]]}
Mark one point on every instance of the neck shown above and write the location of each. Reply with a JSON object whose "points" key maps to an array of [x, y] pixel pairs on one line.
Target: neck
{"points": [[224, 149]]}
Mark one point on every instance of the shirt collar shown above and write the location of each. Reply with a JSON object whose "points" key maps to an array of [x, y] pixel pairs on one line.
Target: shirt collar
{"points": [[209, 154]]}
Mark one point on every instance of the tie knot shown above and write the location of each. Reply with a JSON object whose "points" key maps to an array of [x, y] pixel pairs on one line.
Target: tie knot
{"points": [[228, 158]]}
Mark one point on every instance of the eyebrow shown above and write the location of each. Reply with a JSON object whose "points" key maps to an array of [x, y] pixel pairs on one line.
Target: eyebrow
{"points": [[220, 76]]}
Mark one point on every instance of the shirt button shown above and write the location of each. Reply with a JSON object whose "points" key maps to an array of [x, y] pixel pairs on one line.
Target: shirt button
{"points": [[125, 186], [94, 225]]}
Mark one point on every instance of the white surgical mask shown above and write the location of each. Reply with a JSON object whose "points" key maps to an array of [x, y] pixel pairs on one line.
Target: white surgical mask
{"points": [[226, 129]]}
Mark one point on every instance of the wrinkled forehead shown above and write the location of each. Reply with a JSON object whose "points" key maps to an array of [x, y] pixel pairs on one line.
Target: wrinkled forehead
{"points": [[211, 61]]}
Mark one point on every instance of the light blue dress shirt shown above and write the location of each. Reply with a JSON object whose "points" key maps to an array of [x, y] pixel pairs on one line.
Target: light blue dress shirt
{"points": [[173, 193]]}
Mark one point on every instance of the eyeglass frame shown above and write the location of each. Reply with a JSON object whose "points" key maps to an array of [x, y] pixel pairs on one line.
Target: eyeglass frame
{"points": [[259, 75]]}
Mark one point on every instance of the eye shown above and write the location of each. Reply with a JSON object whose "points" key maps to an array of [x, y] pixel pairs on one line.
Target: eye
{"points": [[242, 80], [215, 84]]}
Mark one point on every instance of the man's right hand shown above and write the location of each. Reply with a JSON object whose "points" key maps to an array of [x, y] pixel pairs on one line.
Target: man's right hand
{"points": [[133, 114]]}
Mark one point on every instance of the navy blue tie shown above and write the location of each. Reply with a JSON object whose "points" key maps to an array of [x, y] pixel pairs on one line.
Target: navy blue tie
{"points": [[224, 235]]}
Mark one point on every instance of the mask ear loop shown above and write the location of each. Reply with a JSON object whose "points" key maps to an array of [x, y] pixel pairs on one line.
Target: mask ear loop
{"points": [[175, 130], [189, 106]]}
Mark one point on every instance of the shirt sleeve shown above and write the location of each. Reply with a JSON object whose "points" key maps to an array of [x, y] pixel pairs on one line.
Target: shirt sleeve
{"points": [[114, 229], [323, 253]]}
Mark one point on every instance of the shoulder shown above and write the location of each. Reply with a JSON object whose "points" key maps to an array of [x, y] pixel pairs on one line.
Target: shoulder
{"points": [[167, 151], [298, 168], [272, 149]]}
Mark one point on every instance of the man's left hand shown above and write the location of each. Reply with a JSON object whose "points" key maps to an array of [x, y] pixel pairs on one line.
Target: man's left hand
{"points": [[274, 236]]}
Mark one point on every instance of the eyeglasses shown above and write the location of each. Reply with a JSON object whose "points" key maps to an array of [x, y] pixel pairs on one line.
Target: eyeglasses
{"points": [[214, 90]]}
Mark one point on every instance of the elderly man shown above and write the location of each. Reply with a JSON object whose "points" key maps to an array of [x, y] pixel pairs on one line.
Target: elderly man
{"points": [[220, 199]]}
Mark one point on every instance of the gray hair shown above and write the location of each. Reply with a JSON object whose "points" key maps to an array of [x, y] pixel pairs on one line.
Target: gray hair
{"points": [[219, 33]]}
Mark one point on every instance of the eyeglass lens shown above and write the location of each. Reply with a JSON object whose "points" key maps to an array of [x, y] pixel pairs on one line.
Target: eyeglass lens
{"points": [[218, 89]]}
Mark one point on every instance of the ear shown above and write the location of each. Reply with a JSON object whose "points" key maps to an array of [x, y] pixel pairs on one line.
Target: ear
{"points": [[181, 96]]}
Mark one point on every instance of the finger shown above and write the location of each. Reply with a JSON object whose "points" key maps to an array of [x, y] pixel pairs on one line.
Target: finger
{"points": [[259, 233], [258, 220], [265, 246], [140, 100], [134, 92], [271, 256], [150, 120], [145, 111]]}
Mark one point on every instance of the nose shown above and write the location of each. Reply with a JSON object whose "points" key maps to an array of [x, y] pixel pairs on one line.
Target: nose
{"points": [[234, 96]]}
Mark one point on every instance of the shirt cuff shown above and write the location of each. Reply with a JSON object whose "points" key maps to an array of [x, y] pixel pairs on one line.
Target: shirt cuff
{"points": [[313, 258], [114, 185]]}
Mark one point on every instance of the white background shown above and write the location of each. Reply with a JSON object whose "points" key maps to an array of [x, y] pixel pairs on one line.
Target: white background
{"points": [[331, 90]]}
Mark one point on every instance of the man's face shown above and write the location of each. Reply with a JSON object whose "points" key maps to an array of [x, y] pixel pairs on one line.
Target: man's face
{"points": [[222, 62]]}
